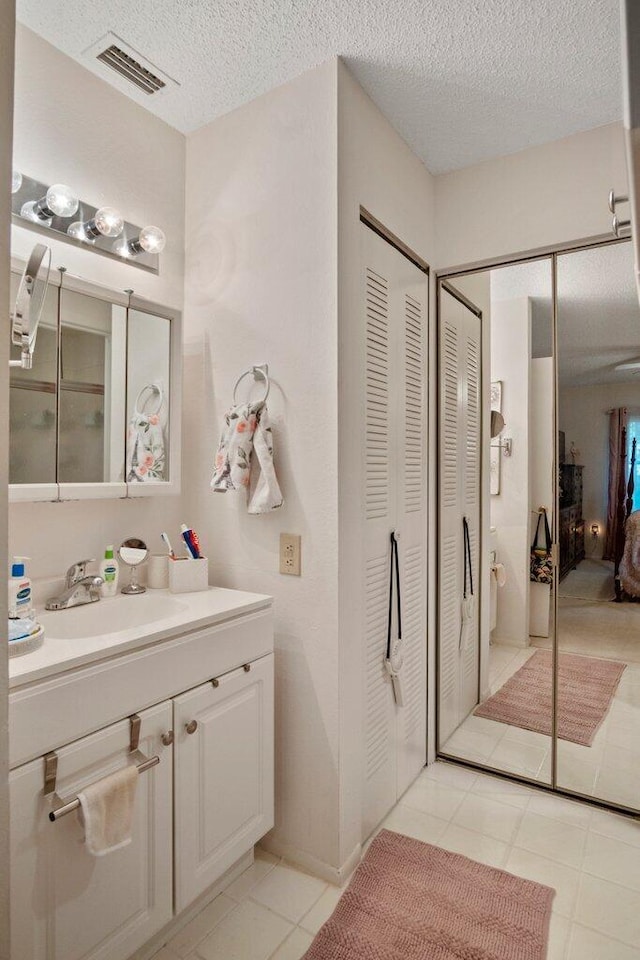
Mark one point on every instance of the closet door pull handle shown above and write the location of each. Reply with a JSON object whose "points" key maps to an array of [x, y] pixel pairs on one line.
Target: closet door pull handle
{"points": [[192, 726], [167, 738], [246, 667]]}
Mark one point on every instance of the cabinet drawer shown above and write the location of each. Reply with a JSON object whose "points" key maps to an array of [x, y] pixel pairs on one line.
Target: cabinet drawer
{"points": [[223, 774], [89, 698], [67, 904]]}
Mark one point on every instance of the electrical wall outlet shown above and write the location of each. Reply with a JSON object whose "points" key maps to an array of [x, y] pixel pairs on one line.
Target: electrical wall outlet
{"points": [[290, 554]]}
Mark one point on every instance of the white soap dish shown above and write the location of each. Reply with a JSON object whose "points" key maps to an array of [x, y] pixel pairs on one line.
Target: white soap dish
{"points": [[26, 644]]}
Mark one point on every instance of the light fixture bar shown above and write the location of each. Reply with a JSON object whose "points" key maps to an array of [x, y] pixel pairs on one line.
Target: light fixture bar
{"points": [[88, 227]]}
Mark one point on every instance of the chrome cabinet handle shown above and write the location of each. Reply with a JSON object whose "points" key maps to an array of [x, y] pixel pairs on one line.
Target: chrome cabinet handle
{"points": [[192, 726], [167, 738]]}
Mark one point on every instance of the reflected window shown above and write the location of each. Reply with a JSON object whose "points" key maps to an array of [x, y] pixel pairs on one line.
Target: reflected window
{"points": [[633, 433]]}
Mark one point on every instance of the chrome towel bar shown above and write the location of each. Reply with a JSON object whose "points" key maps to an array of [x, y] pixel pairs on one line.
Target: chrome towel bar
{"points": [[61, 811]]}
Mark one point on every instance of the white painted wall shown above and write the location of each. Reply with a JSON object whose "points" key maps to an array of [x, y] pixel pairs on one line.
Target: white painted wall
{"points": [[261, 284], [377, 170], [510, 352], [70, 126], [583, 417], [547, 195], [7, 24]]}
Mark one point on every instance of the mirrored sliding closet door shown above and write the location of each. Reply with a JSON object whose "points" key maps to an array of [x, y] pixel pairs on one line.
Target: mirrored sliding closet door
{"points": [[598, 614], [539, 661], [495, 691]]}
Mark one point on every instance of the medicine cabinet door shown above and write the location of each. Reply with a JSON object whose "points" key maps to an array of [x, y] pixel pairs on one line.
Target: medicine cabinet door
{"points": [[93, 346]]}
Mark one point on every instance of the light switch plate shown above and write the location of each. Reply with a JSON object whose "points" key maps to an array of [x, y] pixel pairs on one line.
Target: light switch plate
{"points": [[290, 554]]}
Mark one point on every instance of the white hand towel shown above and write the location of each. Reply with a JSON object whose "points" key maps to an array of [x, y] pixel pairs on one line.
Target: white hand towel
{"points": [[107, 811]]}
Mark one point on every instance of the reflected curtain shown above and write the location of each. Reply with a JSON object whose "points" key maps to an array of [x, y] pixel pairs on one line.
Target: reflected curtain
{"points": [[617, 478]]}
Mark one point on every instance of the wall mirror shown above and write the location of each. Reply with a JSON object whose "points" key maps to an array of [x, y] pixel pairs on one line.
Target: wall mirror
{"points": [[598, 627], [539, 523], [98, 413]]}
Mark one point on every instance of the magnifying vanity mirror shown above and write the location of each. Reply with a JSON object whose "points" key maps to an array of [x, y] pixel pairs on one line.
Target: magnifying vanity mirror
{"points": [[133, 552], [29, 301]]}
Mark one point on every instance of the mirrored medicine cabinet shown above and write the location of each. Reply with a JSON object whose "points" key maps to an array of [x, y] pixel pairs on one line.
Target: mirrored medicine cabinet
{"points": [[98, 414]]}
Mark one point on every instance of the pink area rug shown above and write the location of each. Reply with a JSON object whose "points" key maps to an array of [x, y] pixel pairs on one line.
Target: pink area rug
{"points": [[586, 687], [411, 901]]}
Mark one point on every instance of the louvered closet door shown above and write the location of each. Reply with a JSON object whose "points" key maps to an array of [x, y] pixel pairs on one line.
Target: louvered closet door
{"points": [[460, 457], [394, 295]]}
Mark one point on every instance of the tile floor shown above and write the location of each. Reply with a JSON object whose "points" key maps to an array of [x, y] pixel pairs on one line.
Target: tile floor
{"points": [[610, 767], [591, 857]]}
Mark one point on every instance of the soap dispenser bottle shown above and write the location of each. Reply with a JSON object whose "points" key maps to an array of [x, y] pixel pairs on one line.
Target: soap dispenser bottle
{"points": [[20, 599], [109, 571]]}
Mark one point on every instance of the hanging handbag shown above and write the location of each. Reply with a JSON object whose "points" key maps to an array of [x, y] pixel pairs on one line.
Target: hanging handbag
{"points": [[541, 566]]}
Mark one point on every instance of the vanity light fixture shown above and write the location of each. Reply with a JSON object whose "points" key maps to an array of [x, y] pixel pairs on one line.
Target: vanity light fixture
{"points": [[57, 210], [149, 240], [59, 201], [106, 222]]}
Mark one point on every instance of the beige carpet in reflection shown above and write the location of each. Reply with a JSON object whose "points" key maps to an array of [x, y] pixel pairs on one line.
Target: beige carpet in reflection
{"points": [[586, 687], [591, 580], [409, 900]]}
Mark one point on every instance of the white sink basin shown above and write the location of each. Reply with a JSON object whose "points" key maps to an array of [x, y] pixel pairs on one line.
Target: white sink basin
{"points": [[108, 616]]}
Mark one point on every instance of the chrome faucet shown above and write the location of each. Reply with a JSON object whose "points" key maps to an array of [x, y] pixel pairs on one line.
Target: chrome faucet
{"points": [[81, 588]]}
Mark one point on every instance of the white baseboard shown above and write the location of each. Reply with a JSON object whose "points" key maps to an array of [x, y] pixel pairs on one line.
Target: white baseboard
{"points": [[338, 876]]}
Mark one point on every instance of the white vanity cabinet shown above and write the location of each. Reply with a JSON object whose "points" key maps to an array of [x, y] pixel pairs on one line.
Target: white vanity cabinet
{"points": [[223, 774], [205, 701], [67, 904]]}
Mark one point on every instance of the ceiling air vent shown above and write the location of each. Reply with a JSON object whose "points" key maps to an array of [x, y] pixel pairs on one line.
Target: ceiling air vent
{"points": [[110, 55], [130, 69]]}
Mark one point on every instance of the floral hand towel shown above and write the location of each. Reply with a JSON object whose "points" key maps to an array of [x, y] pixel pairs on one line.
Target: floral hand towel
{"points": [[247, 431], [145, 449]]}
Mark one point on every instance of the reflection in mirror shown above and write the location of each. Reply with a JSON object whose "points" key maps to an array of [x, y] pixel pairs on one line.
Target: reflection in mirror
{"points": [[92, 389], [148, 371], [32, 400], [133, 552], [495, 675], [599, 525]]}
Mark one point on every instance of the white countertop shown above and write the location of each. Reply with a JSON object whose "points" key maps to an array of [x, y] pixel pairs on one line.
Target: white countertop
{"points": [[164, 615]]}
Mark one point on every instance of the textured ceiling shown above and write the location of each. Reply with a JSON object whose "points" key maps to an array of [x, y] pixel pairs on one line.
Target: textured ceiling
{"points": [[461, 80], [598, 312]]}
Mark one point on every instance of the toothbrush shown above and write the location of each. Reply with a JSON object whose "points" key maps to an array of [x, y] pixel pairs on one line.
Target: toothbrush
{"points": [[164, 537]]}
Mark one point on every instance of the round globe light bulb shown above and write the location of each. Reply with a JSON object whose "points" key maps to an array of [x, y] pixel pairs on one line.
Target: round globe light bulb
{"points": [[122, 248], [16, 181], [61, 201], [152, 239], [29, 211], [109, 222], [78, 231]]}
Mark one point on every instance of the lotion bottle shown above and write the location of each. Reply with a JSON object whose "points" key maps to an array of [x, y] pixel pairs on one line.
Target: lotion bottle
{"points": [[20, 600], [110, 572]]}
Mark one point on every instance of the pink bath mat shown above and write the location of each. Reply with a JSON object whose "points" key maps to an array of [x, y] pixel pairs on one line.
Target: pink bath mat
{"points": [[412, 901], [586, 687]]}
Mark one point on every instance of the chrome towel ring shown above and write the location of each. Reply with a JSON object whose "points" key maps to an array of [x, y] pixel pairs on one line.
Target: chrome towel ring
{"points": [[259, 372]]}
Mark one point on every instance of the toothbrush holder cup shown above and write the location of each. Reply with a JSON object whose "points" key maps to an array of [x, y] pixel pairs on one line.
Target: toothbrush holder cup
{"points": [[188, 576]]}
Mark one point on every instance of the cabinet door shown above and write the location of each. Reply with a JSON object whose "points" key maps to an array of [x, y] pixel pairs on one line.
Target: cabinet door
{"points": [[67, 904], [223, 774]]}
